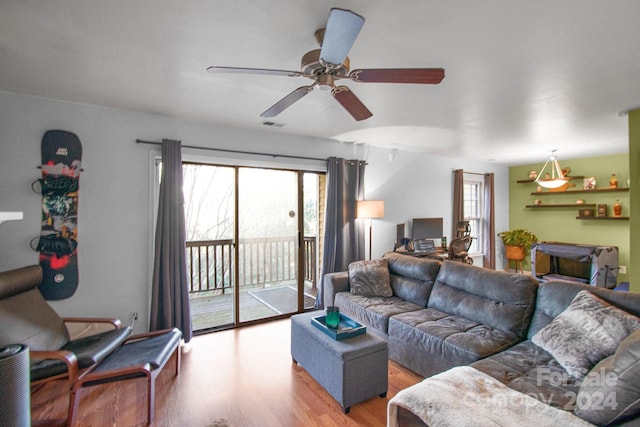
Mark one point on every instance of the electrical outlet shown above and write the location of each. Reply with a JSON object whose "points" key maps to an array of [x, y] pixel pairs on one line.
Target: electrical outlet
{"points": [[622, 269], [134, 315]]}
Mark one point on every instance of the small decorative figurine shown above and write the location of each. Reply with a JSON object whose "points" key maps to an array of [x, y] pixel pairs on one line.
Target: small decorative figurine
{"points": [[613, 181]]}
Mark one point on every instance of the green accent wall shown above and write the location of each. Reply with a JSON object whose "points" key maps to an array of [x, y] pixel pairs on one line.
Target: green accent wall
{"points": [[559, 223], [634, 168]]}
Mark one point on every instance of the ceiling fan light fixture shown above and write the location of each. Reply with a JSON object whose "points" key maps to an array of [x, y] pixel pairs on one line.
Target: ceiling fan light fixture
{"points": [[330, 63], [557, 178], [325, 82]]}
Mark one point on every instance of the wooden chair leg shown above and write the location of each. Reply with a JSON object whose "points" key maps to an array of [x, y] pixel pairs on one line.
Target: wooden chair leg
{"points": [[178, 359], [74, 402], [151, 397]]}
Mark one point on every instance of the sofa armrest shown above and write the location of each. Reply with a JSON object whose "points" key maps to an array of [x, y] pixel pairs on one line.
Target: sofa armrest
{"points": [[332, 284]]}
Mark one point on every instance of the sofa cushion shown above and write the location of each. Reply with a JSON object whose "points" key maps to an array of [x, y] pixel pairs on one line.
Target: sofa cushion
{"points": [[456, 340], [370, 278], [372, 311], [611, 390], [585, 332], [496, 299], [411, 277], [529, 369], [412, 290], [425, 269]]}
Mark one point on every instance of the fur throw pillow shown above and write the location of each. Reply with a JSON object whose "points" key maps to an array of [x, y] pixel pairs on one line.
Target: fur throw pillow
{"points": [[610, 392], [370, 278], [587, 331]]}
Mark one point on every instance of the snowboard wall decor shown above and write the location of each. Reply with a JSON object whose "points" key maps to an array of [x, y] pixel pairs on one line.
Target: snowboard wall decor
{"points": [[59, 186]]}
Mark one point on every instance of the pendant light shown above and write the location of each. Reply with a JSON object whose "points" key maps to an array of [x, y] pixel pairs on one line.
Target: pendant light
{"points": [[557, 178]]}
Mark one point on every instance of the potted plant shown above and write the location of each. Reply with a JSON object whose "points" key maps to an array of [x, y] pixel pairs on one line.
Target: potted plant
{"points": [[516, 242]]}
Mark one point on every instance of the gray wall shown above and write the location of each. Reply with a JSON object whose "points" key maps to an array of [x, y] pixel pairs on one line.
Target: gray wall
{"points": [[115, 208], [420, 186]]}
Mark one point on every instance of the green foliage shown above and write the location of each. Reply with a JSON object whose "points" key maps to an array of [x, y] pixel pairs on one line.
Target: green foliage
{"points": [[518, 237]]}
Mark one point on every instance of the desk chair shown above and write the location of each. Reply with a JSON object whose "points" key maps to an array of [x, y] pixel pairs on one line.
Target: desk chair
{"points": [[459, 246]]}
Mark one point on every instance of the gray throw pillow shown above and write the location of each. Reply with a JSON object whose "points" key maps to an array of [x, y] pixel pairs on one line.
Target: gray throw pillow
{"points": [[370, 278], [587, 331], [611, 390]]}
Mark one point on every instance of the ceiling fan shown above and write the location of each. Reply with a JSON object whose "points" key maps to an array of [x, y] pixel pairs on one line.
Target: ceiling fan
{"points": [[330, 63]]}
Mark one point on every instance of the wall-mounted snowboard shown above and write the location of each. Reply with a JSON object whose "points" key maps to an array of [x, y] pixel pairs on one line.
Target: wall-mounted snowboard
{"points": [[59, 186]]}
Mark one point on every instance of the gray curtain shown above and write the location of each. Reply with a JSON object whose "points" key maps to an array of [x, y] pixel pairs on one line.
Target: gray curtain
{"points": [[458, 201], [169, 289], [489, 249], [343, 235]]}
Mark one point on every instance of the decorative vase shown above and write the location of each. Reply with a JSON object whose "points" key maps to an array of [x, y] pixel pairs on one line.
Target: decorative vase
{"points": [[617, 208], [613, 181]]}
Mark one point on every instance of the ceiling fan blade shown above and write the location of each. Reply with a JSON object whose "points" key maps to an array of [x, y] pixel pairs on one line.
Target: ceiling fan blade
{"points": [[398, 75], [240, 70], [351, 103], [343, 26], [287, 101]]}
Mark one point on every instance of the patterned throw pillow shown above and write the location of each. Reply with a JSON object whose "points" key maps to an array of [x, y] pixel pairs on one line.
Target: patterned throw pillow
{"points": [[370, 278], [587, 331]]}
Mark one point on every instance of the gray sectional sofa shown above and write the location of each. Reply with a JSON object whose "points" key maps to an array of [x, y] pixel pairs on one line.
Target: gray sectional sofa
{"points": [[480, 330]]}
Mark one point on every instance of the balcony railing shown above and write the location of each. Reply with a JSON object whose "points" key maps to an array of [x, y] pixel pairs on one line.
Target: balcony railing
{"points": [[262, 260]]}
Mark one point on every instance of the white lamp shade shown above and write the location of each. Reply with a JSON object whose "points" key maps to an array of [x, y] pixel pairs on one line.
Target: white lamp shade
{"points": [[557, 178], [370, 209], [553, 183]]}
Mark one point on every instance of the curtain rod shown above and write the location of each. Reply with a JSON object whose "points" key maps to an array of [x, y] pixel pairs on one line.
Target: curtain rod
{"points": [[471, 173], [224, 150]]}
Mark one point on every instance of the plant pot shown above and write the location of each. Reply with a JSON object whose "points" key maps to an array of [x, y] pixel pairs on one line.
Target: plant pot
{"points": [[516, 253]]}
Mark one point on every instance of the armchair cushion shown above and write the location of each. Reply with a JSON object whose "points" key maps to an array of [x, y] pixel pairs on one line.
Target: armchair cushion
{"points": [[155, 350], [89, 351], [95, 348], [42, 328]]}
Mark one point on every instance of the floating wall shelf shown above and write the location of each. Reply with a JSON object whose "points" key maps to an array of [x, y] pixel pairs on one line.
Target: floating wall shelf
{"points": [[624, 218], [530, 181], [597, 190], [558, 205]]}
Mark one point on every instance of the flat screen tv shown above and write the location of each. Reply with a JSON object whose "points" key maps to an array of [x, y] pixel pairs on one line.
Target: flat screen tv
{"points": [[426, 228]]}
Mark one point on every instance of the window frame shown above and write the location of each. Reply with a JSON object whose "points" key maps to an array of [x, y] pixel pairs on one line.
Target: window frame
{"points": [[476, 219]]}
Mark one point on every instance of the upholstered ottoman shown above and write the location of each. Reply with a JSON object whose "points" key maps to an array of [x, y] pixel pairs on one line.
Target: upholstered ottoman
{"points": [[351, 370]]}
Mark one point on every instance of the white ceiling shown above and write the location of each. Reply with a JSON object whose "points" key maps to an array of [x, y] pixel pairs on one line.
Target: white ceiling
{"points": [[522, 77]]}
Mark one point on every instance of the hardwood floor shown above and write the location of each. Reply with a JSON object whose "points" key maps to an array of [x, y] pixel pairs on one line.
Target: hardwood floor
{"points": [[244, 375]]}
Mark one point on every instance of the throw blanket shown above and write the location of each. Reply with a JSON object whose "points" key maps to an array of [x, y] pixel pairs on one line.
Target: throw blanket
{"points": [[465, 397]]}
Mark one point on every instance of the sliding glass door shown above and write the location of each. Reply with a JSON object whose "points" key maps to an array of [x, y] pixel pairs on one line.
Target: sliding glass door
{"points": [[268, 242], [252, 249], [209, 196]]}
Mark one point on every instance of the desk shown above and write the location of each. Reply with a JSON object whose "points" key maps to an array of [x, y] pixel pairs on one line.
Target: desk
{"points": [[439, 254]]}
